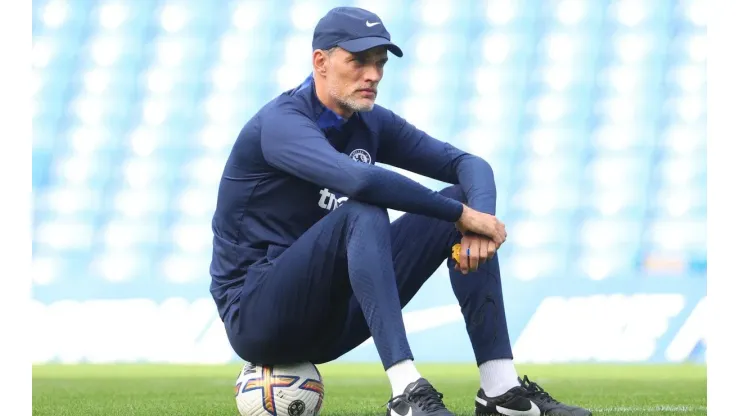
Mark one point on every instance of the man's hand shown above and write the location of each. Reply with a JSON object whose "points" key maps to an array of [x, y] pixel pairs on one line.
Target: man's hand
{"points": [[472, 221], [481, 250]]}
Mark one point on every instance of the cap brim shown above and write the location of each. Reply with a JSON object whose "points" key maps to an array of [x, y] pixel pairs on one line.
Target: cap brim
{"points": [[363, 44]]}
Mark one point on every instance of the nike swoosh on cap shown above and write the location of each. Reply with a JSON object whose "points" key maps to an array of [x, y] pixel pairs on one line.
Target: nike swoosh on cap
{"points": [[371, 24]]}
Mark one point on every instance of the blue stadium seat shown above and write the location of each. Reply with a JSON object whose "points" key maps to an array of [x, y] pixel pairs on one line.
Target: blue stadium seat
{"points": [[591, 113]]}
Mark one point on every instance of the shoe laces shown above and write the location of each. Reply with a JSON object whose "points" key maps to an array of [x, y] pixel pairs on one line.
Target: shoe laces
{"points": [[426, 397], [535, 391]]}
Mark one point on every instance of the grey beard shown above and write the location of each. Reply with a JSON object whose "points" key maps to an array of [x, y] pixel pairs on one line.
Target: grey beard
{"points": [[356, 106], [350, 104]]}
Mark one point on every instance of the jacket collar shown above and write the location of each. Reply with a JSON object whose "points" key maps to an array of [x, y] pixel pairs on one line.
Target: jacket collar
{"points": [[325, 118]]}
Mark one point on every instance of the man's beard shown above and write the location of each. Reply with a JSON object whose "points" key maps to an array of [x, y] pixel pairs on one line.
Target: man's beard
{"points": [[348, 102]]}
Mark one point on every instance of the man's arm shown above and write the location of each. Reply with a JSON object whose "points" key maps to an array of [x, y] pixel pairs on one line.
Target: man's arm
{"points": [[292, 143], [405, 146]]}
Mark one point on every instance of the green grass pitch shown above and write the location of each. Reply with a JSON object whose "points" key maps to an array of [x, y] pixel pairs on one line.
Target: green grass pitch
{"points": [[358, 389]]}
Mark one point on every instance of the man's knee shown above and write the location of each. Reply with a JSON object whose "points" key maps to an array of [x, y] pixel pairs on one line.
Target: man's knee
{"points": [[356, 211], [455, 192]]}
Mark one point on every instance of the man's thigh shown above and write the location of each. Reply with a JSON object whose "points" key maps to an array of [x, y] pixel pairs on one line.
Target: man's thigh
{"points": [[296, 299]]}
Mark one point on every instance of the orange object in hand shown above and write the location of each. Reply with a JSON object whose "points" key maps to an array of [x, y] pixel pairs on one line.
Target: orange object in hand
{"points": [[456, 252]]}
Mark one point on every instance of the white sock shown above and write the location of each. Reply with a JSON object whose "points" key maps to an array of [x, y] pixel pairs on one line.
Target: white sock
{"points": [[401, 375], [497, 377]]}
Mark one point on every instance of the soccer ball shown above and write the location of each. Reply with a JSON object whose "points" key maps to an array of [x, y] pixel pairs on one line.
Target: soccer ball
{"points": [[283, 390]]}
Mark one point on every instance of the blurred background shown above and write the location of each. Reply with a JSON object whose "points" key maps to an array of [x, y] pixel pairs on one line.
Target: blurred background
{"points": [[592, 114]]}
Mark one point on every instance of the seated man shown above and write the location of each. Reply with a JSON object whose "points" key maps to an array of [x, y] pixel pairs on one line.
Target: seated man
{"points": [[303, 248]]}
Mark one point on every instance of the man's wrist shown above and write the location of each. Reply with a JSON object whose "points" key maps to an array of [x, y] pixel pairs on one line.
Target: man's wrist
{"points": [[463, 212]]}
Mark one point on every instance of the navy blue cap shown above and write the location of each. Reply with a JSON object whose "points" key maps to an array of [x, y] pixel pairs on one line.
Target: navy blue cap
{"points": [[352, 29]]}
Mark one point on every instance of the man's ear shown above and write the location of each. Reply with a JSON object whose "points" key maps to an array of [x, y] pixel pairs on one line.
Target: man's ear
{"points": [[320, 59]]}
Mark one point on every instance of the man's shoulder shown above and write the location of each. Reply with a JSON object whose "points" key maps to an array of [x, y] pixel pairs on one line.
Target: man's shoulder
{"points": [[277, 111], [272, 114], [283, 105]]}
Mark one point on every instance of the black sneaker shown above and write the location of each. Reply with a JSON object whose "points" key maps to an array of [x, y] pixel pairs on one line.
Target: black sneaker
{"points": [[418, 399], [514, 403]]}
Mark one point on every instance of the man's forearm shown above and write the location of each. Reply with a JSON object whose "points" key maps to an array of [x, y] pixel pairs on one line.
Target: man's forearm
{"points": [[392, 190], [475, 176]]}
